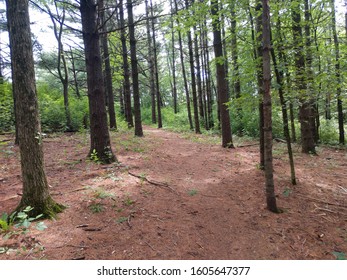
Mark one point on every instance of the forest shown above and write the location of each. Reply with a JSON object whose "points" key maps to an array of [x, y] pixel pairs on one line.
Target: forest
{"points": [[181, 129]]}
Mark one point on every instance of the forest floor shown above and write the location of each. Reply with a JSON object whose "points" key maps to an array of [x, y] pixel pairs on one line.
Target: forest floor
{"points": [[180, 196]]}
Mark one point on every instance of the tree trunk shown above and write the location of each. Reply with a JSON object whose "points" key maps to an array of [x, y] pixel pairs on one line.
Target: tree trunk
{"points": [[35, 185], [184, 73], [258, 57], [127, 94], [173, 58], [160, 124], [151, 66], [108, 73], [305, 110], [134, 71], [222, 86], [61, 63], [338, 77], [269, 181], [100, 145], [279, 79]]}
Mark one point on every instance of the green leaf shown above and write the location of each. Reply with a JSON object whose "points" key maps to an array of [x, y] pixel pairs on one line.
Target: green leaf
{"points": [[41, 226]]}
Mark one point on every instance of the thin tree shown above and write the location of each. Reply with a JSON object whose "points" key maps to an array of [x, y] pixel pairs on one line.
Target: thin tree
{"points": [[63, 73], [100, 144], [222, 87], [156, 70], [184, 72], [151, 65], [107, 68], [269, 181], [126, 83], [35, 185], [193, 79], [134, 70]]}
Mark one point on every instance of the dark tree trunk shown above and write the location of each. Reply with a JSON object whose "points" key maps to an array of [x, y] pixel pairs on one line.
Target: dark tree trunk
{"points": [[279, 79], [222, 83], [61, 62], [151, 65], [108, 73], [99, 134], [35, 185], [184, 74], [305, 110], [198, 74], [338, 77], [173, 59], [127, 94], [269, 181], [258, 56], [193, 80], [235, 58], [159, 101], [134, 71]]}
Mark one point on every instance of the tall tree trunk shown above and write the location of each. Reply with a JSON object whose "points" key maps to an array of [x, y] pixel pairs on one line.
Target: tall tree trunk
{"points": [[61, 62], [198, 74], [258, 56], [99, 134], [134, 71], [127, 93], [173, 59], [279, 79], [184, 74], [338, 77], [193, 80], [151, 65], [269, 181], [108, 73], [305, 110], [35, 185], [156, 70], [222, 87], [235, 58], [309, 71]]}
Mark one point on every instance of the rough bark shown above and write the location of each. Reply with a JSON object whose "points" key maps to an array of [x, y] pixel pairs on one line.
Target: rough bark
{"points": [[35, 185], [107, 68], [126, 85], [100, 144], [222, 83], [338, 77], [269, 181], [134, 71], [305, 110]]}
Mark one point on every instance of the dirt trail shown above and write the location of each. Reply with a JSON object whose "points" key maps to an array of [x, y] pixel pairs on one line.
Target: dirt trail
{"points": [[174, 198]]}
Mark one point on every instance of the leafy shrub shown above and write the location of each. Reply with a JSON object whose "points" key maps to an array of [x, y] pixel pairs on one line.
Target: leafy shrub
{"points": [[6, 108]]}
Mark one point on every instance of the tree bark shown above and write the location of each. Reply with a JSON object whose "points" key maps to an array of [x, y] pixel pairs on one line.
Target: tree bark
{"points": [[222, 86], [127, 94], [269, 181], [134, 71], [338, 77], [189, 113], [305, 110], [100, 144], [108, 73], [35, 185]]}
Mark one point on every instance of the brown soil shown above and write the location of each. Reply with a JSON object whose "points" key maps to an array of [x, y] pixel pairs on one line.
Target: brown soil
{"points": [[180, 196]]}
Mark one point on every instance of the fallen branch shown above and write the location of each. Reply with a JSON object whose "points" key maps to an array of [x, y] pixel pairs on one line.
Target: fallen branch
{"points": [[5, 140], [156, 183], [91, 229], [150, 246], [321, 201], [77, 190], [247, 145]]}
